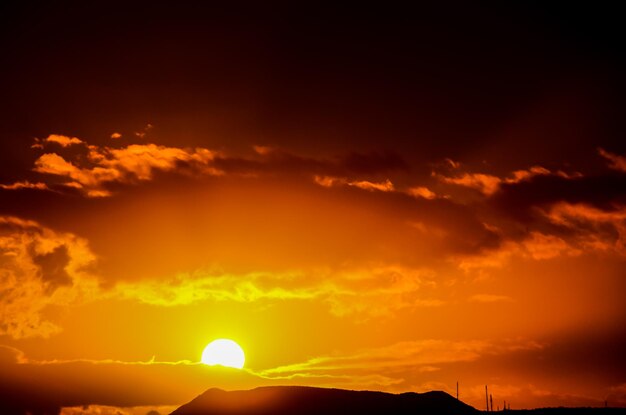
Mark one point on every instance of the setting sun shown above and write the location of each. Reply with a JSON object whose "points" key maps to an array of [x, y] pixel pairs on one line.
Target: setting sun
{"points": [[223, 352]]}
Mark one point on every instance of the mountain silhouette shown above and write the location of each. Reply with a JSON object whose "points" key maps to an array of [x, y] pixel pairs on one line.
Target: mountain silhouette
{"points": [[303, 400]]}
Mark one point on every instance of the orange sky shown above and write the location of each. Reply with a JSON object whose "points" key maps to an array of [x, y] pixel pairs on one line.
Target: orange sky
{"points": [[396, 253]]}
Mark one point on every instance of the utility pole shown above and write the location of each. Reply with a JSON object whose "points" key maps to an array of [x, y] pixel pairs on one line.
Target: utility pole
{"points": [[487, 398], [491, 399]]}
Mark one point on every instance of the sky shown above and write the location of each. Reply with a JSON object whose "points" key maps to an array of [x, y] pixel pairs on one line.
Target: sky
{"points": [[366, 198]]}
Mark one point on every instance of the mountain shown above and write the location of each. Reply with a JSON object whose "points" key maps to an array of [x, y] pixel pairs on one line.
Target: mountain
{"points": [[302, 400]]}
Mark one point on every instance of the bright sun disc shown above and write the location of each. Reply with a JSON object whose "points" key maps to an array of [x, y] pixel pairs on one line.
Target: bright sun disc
{"points": [[223, 352]]}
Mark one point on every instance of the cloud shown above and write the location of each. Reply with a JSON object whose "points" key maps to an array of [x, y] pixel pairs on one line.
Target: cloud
{"points": [[10, 355], [372, 291], [328, 181], [484, 183], [522, 200], [24, 185], [94, 173], [423, 192], [452, 164], [488, 184], [140, 161], [490, 298], [144, 132], [352, 167], [416, 365], [593, 228], [385, 186], [401, 357], [39, 268], [190, 288], [570, 230], [91, 386], [45, 387], [616, 162], [562, 215], [62, 140], [134, 163], [116, 410], [535, 246]]}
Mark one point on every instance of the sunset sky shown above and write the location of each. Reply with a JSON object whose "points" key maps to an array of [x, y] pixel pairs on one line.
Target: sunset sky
{"points": [[385, 199]]}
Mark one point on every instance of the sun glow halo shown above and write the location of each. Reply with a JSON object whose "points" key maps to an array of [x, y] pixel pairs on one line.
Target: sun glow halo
{"points": [[223, 352]]}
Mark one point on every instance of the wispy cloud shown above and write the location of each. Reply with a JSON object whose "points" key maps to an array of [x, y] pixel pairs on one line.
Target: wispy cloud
{"points": [[489, 184], [379, 290], [594, 228], [490, 298], [24, 185], [400, 357], [116, 410], [616, 162], [329, 181], [484, 183]]}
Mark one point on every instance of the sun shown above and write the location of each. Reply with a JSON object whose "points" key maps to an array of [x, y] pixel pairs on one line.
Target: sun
{"points": [[223, 352]]}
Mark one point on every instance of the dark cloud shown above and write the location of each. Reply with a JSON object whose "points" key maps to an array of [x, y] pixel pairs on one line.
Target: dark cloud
{"points": [[519, 199], [271, 160], [593, 353], [96, 170], [44, 388], [375, 162], [52, 266]]}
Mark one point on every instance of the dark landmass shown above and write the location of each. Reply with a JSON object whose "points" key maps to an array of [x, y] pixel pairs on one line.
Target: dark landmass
{"points": [[564, 411], [302, 400], [14, 402]]}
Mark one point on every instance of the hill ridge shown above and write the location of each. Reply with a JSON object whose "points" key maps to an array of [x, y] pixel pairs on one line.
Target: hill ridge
{"points": [[305, 400]]}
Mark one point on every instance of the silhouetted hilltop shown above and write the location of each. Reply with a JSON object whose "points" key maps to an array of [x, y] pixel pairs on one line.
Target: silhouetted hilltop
{"points": [[301, 400]]}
